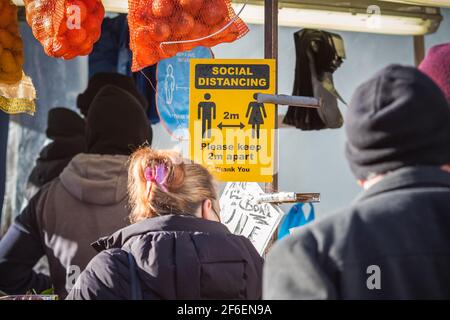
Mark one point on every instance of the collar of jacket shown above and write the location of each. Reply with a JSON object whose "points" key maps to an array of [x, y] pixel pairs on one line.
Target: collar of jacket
{"points": [[409, 177], [172, 223]]}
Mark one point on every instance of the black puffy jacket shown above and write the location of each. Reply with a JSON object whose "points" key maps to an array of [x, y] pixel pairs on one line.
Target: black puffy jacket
{"points": [[177, 257]]}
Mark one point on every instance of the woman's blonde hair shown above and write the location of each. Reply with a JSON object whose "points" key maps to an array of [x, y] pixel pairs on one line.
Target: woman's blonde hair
{"points": [[182, 189]]}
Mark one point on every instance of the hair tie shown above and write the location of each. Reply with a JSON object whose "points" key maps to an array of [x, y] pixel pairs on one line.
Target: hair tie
{"points": [[158, 175]]}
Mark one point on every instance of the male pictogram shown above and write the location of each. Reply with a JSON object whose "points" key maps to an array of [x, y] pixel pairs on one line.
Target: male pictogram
{"points": [[256, 114], [207, 112]]}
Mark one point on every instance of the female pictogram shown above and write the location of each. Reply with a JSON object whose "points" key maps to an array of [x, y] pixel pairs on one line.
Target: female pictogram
{"points": [[256, 114]]}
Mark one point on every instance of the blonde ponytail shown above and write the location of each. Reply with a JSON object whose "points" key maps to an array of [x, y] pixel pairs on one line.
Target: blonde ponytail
{"points": [[161, 183]]}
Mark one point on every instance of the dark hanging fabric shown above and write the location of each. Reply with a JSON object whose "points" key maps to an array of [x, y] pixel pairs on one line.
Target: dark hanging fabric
{"points": [[145, 79], [112, 54], [105, 55], [317, 59], [144, 86], [4, 127]]}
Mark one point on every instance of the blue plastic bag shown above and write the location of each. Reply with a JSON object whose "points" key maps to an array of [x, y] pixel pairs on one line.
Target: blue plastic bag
{"points": [[295, 218]]}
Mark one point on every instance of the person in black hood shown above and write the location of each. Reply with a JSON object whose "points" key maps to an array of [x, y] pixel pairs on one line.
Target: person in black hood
{"points": [[176, 247], [393, 242], [87, 201], [102, 79], [99, 80], [108, 129]]}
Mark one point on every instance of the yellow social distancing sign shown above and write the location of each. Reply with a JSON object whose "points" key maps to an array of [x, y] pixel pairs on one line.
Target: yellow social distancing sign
{"points": [[230, 132]]}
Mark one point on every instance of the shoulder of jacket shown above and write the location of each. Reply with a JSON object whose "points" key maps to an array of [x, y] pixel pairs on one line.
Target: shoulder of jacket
{"points": [[112, 256], [102, 276], [38, 201], [332, 223], [323, 238], [46, 191], [109, 264]]}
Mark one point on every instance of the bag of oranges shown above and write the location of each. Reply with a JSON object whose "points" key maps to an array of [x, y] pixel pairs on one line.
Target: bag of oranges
{"points": [[160, 29], [11, 46], [65, 28]]}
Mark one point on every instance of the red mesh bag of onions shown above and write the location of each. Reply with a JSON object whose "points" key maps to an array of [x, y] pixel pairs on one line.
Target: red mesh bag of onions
{"points": [[160, 29], [65, 28]]}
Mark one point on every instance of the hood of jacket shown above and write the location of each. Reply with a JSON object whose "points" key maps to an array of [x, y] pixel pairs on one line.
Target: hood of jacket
{"points": [[96, 179], [167, 223], [54, 157]]}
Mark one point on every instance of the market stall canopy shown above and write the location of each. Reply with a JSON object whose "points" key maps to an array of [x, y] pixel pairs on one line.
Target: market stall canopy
{"points": [[360, 16], [431, 3], [399, 17]]}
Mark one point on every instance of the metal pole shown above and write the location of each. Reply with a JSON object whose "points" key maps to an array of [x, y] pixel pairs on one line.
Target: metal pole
{"points": [[271, 52], [285, 100], [419, 49]]}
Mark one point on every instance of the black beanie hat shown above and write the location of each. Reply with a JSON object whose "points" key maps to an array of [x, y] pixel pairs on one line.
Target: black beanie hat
{"points": [[116, 123], [99, 80], [396, 119], [63, 122]]}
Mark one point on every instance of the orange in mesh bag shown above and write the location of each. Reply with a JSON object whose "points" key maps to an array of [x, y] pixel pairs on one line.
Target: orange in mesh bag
{"points": [[11, 46], [157, 25], [65, 28]]}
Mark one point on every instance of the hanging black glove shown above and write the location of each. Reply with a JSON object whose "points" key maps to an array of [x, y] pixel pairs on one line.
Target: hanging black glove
{"points": [[319, 54]]}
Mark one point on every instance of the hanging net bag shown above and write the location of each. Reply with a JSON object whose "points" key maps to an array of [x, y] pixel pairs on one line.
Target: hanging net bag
{"points": [[159, 29], [11, 46], [17, 93], [65, 28]]}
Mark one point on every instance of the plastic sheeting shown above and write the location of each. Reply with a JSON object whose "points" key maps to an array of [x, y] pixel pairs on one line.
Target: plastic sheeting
{"points": [[58, 83]]}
